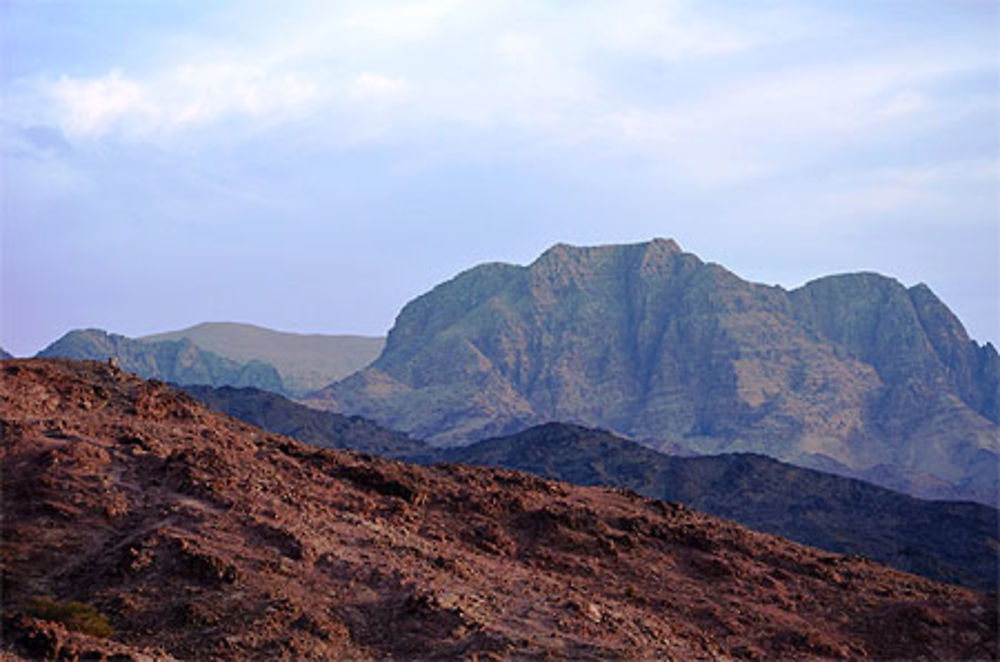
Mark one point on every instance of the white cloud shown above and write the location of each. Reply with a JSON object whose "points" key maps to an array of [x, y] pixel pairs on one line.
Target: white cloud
{"points": [[903, 103], [669, 82], [93, 106], [187, 95], [377, 88]]}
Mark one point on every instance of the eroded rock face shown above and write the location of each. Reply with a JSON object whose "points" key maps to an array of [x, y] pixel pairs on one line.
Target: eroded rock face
{"points": [[855, 373], [200, 537]]}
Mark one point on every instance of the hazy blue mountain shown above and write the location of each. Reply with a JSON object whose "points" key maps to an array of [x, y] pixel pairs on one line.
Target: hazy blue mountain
{"points": [[178, 361], [855, 373], [305, 362]]}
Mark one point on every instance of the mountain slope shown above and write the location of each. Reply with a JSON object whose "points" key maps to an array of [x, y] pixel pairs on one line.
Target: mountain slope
{"points": [[305, 362], [210, 539], [654, 344], [4, 354], [945, 541], [274, 413], [178, 361]]}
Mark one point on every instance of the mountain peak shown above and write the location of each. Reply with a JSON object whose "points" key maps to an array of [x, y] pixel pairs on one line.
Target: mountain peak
{"points": [[652, 343], [562, 251]]}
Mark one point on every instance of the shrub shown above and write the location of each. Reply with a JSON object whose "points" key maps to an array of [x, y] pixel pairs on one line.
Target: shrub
{"points": [[74, 615]]}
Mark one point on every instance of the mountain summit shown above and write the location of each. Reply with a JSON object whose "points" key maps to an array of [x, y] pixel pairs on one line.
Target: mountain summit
{"points": [[853, 373]]}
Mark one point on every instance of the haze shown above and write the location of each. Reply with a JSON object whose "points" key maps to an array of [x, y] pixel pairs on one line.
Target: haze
{"points": [[312, 166]]}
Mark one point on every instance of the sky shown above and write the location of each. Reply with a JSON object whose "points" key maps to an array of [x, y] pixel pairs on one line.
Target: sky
{"points": [[312, 166]]}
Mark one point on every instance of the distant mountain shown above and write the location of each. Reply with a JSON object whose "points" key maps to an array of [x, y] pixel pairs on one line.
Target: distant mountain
{"points": [[305, 362], [139, 525], [946, 541], [178, 361], [319, 428], [4, 354], [855, 373]]}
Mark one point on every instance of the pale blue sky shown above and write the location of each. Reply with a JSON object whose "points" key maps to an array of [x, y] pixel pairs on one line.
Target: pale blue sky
{"points": [[312, 166]]}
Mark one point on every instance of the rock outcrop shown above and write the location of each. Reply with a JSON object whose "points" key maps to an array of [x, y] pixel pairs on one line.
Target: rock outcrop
{"points": [[856, 374], [199, 537]]}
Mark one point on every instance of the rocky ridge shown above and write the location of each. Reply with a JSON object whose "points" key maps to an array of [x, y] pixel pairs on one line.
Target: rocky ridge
{"points": [[275, 413], [205, 538], [855, 374], [947, 541]]}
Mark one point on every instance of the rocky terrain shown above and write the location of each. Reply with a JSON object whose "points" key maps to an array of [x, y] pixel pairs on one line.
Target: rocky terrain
{"points": [[178, 361], [306, 362], [946, 541], [199, 537], [855, 374]]}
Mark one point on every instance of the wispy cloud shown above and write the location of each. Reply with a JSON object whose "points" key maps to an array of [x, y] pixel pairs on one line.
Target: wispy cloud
{"points": [[753, 123], [189, 95]]}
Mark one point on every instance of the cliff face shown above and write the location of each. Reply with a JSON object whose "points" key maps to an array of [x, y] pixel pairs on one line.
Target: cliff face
{"points": [[853, 373], [199, 537], [177, 361]]}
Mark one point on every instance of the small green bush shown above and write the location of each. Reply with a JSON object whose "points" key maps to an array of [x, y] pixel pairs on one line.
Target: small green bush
{"points": [[74, 615]]}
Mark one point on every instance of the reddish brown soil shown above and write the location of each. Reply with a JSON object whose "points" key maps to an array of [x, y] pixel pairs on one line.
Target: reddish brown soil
{"points": [[204, 538]]}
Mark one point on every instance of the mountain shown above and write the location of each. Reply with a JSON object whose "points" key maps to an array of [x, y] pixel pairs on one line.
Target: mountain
{"points": [[178, 361], [4, 354], [275, 413], [132, 512], [945, 541], [856, 373], [305, 362]]}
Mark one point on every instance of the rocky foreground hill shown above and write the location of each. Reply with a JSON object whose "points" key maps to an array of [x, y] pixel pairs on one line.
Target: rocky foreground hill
{"points": [[947, 541], [187, 534], [855, 373]]}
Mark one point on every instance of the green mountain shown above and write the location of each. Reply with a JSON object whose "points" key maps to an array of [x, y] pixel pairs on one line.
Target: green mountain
{"points": [[855, 373], [305, 362], [177, 361]]}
